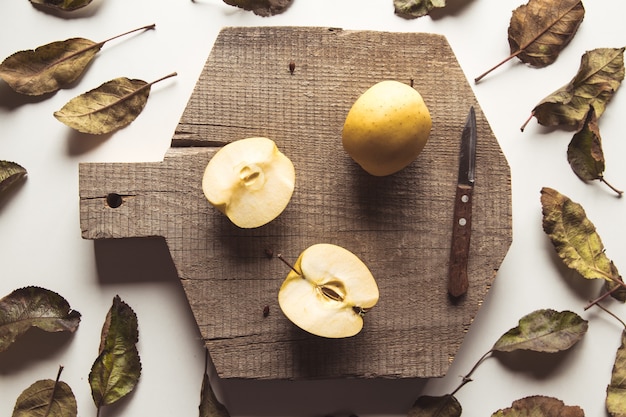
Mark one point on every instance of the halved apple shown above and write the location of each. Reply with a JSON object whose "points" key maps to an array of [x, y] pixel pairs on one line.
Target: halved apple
{"points": [[328, 291], [250, 181]]}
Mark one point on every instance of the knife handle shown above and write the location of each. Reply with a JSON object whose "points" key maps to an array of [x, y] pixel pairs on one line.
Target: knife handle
{"points": [[461, 232]]}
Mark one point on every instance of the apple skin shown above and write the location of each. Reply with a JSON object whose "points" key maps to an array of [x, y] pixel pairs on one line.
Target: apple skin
{"points": [[328, 291], [386, 128], [250, 181]]}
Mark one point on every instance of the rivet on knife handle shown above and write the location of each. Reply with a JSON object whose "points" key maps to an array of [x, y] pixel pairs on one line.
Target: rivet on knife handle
{"points": [[461, 231]]}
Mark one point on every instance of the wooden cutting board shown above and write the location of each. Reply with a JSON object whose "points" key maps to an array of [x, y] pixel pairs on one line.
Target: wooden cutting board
{"points": [[399, 225]]}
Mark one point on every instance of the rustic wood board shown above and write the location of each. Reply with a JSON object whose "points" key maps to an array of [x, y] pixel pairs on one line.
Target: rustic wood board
{"points": [[399, 225]]}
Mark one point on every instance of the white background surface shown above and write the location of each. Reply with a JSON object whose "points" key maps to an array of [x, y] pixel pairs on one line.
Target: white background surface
{"points": [[40, 241]]}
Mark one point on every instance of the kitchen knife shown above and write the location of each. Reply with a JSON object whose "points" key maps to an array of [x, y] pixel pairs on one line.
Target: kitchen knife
{"points": [[462, 224]]}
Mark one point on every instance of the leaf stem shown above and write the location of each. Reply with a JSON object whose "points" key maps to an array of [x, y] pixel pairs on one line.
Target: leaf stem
{"points": [[610, 313], [620, 193], [527, 121], [54, 389], [147, 27], [468, 377], [481, 76]]}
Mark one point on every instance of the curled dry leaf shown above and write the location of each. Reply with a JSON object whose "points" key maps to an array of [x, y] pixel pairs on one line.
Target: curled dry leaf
{"points": [[411, 9], [30, 307], [210, 406], [616, 390], [544, 331], [111, 106], [10, 173], [116, 370], [540, 406], [66, 5], [599, 76], [261, 7], [429, 406], [574, 237], [46, 398], [539, 30], [52, 66], [585, 154]]}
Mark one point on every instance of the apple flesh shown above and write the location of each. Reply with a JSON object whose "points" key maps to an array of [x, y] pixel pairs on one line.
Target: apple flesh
{"points": [[386, 128], [250, 181], [328, 291]]}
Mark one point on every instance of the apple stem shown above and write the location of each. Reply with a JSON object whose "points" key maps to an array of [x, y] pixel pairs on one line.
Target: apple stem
{"points": [[280, 256]]}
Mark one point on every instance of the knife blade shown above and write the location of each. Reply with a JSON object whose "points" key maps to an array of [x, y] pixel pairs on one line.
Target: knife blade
{"points": [[458, 281]]}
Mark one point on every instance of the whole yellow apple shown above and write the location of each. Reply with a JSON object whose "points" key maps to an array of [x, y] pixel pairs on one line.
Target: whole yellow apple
{"points": [[386, 128]]}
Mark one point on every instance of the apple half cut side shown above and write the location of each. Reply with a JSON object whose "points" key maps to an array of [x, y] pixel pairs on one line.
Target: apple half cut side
{"points": [[250, 181], [328, 291]]}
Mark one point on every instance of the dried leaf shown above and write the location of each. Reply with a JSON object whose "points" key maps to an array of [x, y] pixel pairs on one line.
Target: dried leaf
{"points": [[428, 406], [117, 368], [52, 66], [10, 173], [574, 237], [616, 390], [585, 154], [261, 7], [111, 106], [599, 76], [209, 404], [540, 406], [46, 398], [411, 9], [34, 307], [66, 5], [539, 30], [544, 331]]}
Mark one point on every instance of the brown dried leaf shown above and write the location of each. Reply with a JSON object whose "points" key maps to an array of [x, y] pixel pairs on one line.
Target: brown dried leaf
{"points": [[411, 9], [574, 237], [599, 76], [65, 5], [10, 173], [30, 307], [209, 404], [261, 7], [111, 106], [585, 154], [540, 406], [539, 30], [52, 66]]}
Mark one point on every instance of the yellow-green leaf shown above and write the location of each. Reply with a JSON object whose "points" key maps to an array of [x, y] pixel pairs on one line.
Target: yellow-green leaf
{"points": [[261, 7], [116, 370], [574, 237], [429, 406], [10, 173], [544, 331], [51, 67], [46, 398], [616, 390], [599, 76], [411, 9], [540, 406], [111, 106]]}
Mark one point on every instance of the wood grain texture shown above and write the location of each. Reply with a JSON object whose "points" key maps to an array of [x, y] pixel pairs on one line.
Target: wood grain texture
{"points": [[399, 225]]}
